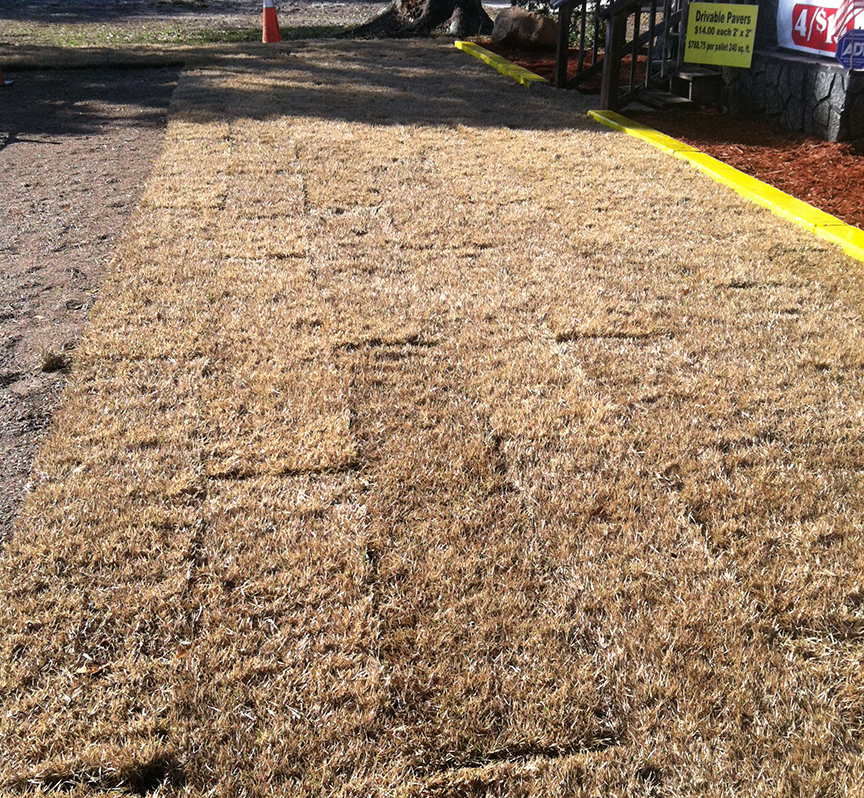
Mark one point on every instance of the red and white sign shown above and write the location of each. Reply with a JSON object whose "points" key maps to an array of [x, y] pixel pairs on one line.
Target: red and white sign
{"points": [[812, 27]]}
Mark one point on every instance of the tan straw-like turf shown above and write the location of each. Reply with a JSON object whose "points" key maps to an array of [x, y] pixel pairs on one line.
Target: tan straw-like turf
{"points": [[431, 440]]}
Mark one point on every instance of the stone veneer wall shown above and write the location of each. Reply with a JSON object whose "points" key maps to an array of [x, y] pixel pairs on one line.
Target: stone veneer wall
{"points": [[800, 93]]}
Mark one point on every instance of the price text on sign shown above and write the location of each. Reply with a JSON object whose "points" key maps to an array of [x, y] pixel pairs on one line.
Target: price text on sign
{"points": [[814, 28], [721, 34]]}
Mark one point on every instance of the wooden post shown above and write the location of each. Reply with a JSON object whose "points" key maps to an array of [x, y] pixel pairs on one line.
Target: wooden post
{"points": [[563, 53], [616, 29]]}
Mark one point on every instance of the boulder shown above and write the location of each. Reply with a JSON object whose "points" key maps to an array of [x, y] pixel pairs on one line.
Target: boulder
{"points": [[516, 27]]}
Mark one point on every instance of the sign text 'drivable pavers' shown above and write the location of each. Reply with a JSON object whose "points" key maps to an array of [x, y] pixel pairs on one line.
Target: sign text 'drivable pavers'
{"points": [[721, 34]]}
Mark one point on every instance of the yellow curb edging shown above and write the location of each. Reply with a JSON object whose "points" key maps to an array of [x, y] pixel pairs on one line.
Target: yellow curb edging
{"points": [[822, 224], [521, 75]]}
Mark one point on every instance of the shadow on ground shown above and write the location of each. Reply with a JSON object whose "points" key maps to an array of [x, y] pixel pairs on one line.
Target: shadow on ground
{"points": [[379, 83], [73, 103]]}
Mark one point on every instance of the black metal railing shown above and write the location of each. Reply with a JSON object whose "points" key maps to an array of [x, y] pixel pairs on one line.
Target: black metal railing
{"points": [[650, 33], [590, 28]]}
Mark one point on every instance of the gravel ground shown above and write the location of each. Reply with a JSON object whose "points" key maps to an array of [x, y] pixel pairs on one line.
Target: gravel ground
{"points": [[90, 10], [321, 12], [76, 148]]}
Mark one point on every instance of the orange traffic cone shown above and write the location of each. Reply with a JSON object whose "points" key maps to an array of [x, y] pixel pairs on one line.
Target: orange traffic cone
{"points": [[4, 82], [271, 26]]}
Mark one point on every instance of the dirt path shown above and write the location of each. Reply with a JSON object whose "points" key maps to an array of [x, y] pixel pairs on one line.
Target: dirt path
{"points": [[431, 440], [75, 151]]}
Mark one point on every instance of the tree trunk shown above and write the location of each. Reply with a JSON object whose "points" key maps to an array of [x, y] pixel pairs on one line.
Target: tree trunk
{"points": [[418, 17]]}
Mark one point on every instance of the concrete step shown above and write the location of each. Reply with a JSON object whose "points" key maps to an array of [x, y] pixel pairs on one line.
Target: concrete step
{"points": [[656, 98], [699, 85]]}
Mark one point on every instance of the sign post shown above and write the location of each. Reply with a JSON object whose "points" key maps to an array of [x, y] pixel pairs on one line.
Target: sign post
{"points": [[721, 34]]}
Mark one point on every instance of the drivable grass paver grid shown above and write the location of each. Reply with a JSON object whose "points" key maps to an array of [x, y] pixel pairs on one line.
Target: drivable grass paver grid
{"points": [[824, 225], [430, 439]]}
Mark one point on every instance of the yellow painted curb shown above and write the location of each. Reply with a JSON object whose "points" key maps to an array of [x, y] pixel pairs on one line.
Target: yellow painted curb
{"points": [[524, 76], [655, 137], [822, 224]]}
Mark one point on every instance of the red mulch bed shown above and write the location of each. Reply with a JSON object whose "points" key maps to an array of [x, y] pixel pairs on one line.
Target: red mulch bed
{"points": [[828, 175], [542, 62]]}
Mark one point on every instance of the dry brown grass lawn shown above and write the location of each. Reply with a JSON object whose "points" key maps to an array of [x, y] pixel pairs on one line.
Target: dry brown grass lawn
{"points": [[430, 440]]}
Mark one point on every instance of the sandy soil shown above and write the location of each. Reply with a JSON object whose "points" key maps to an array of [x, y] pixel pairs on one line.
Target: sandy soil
{"points": [[75, 151]]}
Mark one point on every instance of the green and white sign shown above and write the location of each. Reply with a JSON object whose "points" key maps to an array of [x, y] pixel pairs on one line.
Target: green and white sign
{"points": [[720, 34]]}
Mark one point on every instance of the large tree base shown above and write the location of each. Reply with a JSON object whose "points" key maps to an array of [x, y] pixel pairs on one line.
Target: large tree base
{"points": [[418, 18]]}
